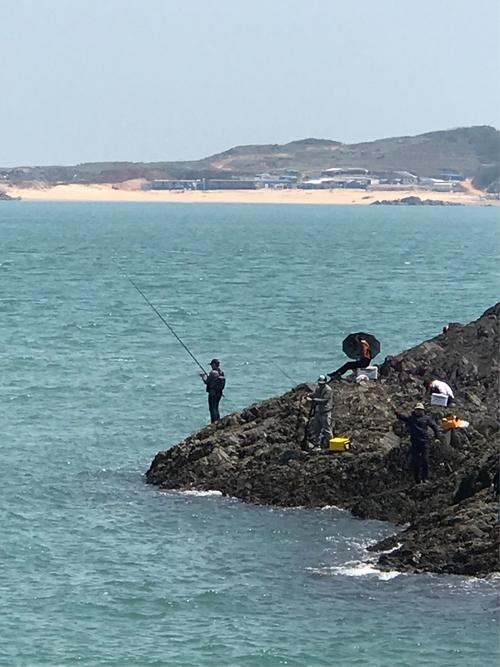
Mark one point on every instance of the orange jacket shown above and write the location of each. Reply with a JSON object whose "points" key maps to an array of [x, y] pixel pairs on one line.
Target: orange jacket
{"points": [[365, 349], [453, 422]]}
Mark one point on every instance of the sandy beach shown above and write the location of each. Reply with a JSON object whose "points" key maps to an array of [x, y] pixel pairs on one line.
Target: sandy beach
{"points": [[125, 193]]}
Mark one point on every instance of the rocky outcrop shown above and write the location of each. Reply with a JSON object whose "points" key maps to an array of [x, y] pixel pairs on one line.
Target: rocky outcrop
{"points": [[413, 200], [256, 455], [5, 197]]}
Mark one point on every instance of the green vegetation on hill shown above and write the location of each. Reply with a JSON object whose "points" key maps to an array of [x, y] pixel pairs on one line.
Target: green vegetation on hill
{"points": [[471, 151]]}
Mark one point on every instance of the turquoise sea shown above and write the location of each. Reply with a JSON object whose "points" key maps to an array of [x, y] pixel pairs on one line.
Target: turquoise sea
{"points": [[97, 568]]}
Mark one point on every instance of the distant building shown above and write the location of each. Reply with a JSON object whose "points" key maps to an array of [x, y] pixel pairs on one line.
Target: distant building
{"points": [[203, 184], [405, 177], [436, 184], [345, 171], [446, 175], [397, 178], [175, 184], [280, 182], [359, 177], [316, 184], [228, 184], [394, 187], [335, 183], [358, 184]]}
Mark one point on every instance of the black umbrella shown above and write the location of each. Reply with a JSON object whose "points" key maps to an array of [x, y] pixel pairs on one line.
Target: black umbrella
{"points": [[350, 344]]}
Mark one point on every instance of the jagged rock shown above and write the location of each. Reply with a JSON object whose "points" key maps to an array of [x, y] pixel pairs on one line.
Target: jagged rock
{"points": [[413, 200], [5, 197], [256, 455], [459, 539]]}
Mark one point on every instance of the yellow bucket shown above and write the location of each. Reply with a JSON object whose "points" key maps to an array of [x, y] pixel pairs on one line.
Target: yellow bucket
{"points": [[339, 444]]}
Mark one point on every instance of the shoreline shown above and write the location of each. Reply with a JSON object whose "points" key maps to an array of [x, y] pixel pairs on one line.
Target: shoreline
{"points": [[124, 194]]}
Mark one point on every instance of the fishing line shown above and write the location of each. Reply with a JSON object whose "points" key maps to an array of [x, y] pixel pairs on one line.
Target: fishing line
{"points": [[172, 331], [160, 316], [284, 373]]}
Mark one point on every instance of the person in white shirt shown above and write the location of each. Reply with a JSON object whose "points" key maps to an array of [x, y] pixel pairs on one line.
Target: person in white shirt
{"points": [[440, 387]]}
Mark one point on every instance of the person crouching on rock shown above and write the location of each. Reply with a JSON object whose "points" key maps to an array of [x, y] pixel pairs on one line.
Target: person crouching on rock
{"points": [[322, 403], [440, 387], [365, 357], [215, 382], [418, 424]]}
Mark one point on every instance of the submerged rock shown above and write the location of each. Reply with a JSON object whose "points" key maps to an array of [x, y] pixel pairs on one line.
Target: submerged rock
{"points": [[256, 455]]}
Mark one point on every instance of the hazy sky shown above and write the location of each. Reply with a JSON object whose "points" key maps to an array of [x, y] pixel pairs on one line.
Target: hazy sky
{"points": [[92, 80]]}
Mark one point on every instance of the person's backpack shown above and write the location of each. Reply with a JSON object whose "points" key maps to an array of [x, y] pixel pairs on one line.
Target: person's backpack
{"points": [[220, 382], [216, 384]]}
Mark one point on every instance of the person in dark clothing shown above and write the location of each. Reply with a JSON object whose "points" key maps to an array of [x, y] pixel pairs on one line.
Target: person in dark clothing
{"points": [[418, 424], [215, 382], [365, 357], [321, 423]]}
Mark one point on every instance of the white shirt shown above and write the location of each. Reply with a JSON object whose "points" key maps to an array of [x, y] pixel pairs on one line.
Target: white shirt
{"points": [[442, 388]]}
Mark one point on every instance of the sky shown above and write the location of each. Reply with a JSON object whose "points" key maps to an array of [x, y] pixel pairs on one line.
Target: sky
{"points": [[153, 80]]}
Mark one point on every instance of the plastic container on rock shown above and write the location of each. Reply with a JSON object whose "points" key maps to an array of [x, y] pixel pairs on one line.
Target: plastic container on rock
{"points": [[371, 372], [439, 399], [339, 444]]}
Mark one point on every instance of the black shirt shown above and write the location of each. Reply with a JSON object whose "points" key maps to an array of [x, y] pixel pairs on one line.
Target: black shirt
{"points": [[419, 426], [215, 382]]}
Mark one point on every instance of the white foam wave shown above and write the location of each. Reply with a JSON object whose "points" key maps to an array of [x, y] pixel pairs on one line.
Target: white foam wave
{"points": [[389, 551], [355, 569], [200, 494]]}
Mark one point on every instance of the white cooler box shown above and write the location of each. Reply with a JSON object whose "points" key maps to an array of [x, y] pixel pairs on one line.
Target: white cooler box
{"points": [[439, 399], [371, 372]]}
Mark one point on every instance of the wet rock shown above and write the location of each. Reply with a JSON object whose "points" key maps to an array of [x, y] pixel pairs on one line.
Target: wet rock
{"points": [[459, 539], [257, 455]]}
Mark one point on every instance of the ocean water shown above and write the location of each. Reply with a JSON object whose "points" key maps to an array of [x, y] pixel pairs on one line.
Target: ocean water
{"points": [[98, 568]]}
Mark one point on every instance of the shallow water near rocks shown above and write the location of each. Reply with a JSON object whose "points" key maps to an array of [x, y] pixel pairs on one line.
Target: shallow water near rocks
{"points": [[99, 568]]}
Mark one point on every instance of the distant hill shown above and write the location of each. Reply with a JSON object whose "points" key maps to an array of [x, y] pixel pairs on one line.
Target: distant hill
{"points": [[463, 150], [471, 151]]}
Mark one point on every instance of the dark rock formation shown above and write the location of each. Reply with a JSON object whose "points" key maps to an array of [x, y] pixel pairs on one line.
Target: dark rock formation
{"points": [[414, 201], [5, 197], [256, 454]]}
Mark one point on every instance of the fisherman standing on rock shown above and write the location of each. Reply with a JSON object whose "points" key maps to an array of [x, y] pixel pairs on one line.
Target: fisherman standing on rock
{"points": [[322, 403], [215, 383], [418, 424]]}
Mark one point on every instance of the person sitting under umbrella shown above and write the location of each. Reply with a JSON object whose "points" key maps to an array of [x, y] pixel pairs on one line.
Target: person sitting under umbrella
{"points": [[358, 347]]}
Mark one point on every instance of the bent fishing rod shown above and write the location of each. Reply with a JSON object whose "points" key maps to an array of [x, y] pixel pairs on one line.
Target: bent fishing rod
{"points": [[160, 316]]}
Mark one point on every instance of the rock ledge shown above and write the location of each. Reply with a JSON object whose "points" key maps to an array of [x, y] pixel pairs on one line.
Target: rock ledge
{"points": [[255, 455]]}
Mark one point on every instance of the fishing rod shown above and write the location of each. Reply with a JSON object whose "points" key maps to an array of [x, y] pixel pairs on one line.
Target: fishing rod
{"points": [[125, 274], [160, 316], [283, 372]]}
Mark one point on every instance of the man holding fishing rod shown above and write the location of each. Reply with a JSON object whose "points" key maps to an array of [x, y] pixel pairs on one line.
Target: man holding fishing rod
{"points": [[215, 383], [320, 414]]}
